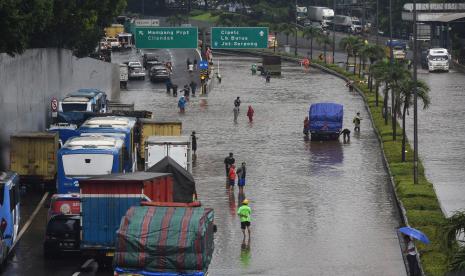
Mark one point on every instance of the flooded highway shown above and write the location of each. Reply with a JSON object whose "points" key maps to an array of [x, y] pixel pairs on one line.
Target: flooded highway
{"points": [[318, 208], [442, 137]]}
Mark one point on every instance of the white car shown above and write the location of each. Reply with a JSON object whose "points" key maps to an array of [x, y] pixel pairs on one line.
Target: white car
{"points": [[136, 71]]}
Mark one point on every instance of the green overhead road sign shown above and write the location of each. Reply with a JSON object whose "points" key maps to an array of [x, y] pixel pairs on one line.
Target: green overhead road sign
{"points": [[239, 37], [166, 37]]}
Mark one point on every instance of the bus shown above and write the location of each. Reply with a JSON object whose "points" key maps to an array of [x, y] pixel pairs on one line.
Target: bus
{"points": [[84, 100], [112, 126], [9, 212], [83, 157]]}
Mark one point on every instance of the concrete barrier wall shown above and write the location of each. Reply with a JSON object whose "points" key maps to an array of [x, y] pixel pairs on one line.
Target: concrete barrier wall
{"points": [[29, 81]]}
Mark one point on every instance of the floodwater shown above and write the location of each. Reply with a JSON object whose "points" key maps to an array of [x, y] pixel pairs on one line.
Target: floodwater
{"points": [[319, 208], [441, 133]]}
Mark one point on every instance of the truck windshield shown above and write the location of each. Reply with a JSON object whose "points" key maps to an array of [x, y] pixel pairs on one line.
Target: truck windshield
{"points": [[438, 58], [356, 22], [67, 107], [329, 18], [58, 226]]}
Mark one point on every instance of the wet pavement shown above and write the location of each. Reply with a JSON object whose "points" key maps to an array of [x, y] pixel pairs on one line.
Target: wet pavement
{"points": [[318, 208], [441, 133]]}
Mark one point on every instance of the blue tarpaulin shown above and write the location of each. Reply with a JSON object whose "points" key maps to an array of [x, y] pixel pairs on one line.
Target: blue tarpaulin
{"points": [[326, 117]]}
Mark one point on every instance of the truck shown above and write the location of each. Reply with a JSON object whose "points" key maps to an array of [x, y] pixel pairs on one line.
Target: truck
{"points": [[438, 59], [106, 199], [179, 148], [322, 15], [399, 49], [347, 24], [301, 13], [84, 157], [271, 64], [157, 127], [9, 212], [123, 75], [113, 30], [33, 156], [325, 121], [160, 240]]}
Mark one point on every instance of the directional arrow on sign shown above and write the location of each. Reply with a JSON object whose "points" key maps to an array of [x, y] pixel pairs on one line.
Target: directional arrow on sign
{"points": [[261, 33], [141, 32]]}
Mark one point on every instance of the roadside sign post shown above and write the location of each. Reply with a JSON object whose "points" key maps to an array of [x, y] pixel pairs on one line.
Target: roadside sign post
{"points": [[166, 37], [54, 107], [147, 22], [203, 64], [239, 37]]}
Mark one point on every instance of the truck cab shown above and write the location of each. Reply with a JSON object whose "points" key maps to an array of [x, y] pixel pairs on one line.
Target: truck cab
{"points": [[9, 212], [438, 60]]}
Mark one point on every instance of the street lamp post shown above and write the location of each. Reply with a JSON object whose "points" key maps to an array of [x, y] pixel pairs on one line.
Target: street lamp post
{"points": [[415, 96], [334, 30], [296, 29]]}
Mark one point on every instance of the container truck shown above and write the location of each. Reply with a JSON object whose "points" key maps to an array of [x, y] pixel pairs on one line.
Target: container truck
{"points": [[347, 24], [179, 148], [106, 199], [322, 15], [165, 241], [399, 49], [325, 121], [33, 156], [158, 127]]}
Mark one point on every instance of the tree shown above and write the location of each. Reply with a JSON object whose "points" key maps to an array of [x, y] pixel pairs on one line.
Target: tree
{"points": [[381, 74], [287, 30], [453, 227], [374, 53], [397, 74], [349, 43], [309, 33], [406, 97]]}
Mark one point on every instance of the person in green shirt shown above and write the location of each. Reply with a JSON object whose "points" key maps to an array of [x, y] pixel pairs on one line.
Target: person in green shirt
{"points": [[244, 212]]}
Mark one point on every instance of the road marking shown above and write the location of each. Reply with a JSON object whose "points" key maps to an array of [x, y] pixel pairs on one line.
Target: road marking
{"points": [[29, 221]]}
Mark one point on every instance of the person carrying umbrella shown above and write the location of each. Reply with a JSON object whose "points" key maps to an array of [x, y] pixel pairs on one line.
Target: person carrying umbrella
{"points": [[410, 233]]}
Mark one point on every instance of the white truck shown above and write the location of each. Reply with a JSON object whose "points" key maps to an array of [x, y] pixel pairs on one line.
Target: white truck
{"points": [[438, 59], [348, 24], [321, 14], [179, 148], [301, 13]]}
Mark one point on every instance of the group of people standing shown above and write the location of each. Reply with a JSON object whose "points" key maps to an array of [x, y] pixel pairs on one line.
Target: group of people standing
{"points": [[237, 104]]}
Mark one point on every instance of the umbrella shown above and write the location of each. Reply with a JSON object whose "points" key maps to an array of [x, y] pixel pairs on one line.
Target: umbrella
{"points": [[414, 233]]}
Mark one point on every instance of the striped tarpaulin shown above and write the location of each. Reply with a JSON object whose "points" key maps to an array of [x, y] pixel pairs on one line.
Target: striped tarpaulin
{"points": [[165, 239]]}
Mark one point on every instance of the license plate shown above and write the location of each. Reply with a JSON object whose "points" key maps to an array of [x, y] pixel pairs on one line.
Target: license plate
{"points": [[110, 254]]}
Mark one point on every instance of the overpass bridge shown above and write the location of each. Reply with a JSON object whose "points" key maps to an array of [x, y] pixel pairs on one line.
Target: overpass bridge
{"points": [[435, 21]]}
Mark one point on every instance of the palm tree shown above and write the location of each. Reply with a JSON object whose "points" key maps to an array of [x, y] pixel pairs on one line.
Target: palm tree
{"points": [[309, 33], [398, 74], [374, 52], [287, 29], [323, 39], [357, 51], [406, 99], [381, 71], [348, 43], [451, 229]]}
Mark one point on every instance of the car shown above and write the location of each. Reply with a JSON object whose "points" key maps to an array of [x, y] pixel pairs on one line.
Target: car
{"points": [[62, 235], [149, 57], [136, 71], [153, 63], [159, 73], [134, 64]]}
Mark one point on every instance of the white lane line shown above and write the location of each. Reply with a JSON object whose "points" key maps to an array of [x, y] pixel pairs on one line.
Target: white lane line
{"points": [[29, 221]]}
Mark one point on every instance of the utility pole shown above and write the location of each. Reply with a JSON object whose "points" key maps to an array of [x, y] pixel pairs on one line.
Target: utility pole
{"points": [[296, 30], [334, 29], [377, 22], [143, 7], [415, 96]]}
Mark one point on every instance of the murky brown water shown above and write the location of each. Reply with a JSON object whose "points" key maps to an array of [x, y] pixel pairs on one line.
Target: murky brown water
{"points": [[318, 208]]}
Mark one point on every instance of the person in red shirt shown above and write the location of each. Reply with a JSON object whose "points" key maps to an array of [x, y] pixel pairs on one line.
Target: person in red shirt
{"points": [[250, 113], [232, 177]]}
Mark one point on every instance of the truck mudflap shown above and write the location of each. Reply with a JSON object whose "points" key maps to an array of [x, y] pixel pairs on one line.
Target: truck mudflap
{"points": [[134, 272]]}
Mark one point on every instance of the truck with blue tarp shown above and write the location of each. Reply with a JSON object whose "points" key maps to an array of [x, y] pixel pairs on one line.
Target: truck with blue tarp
{"points": [[83, 157], [165, 241], [111, 126], [325, 121]]}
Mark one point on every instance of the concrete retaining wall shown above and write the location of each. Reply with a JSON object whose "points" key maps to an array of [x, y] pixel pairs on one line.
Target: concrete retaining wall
{"points": [[29, 81]]}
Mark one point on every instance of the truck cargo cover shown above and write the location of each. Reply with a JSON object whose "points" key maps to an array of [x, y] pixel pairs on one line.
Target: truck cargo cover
{"points": [[184, 183], [326, 117], [165, 239]]}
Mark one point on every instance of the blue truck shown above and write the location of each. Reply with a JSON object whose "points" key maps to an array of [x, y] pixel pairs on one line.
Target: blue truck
{"points": [[325, 121], [9, 212]]}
